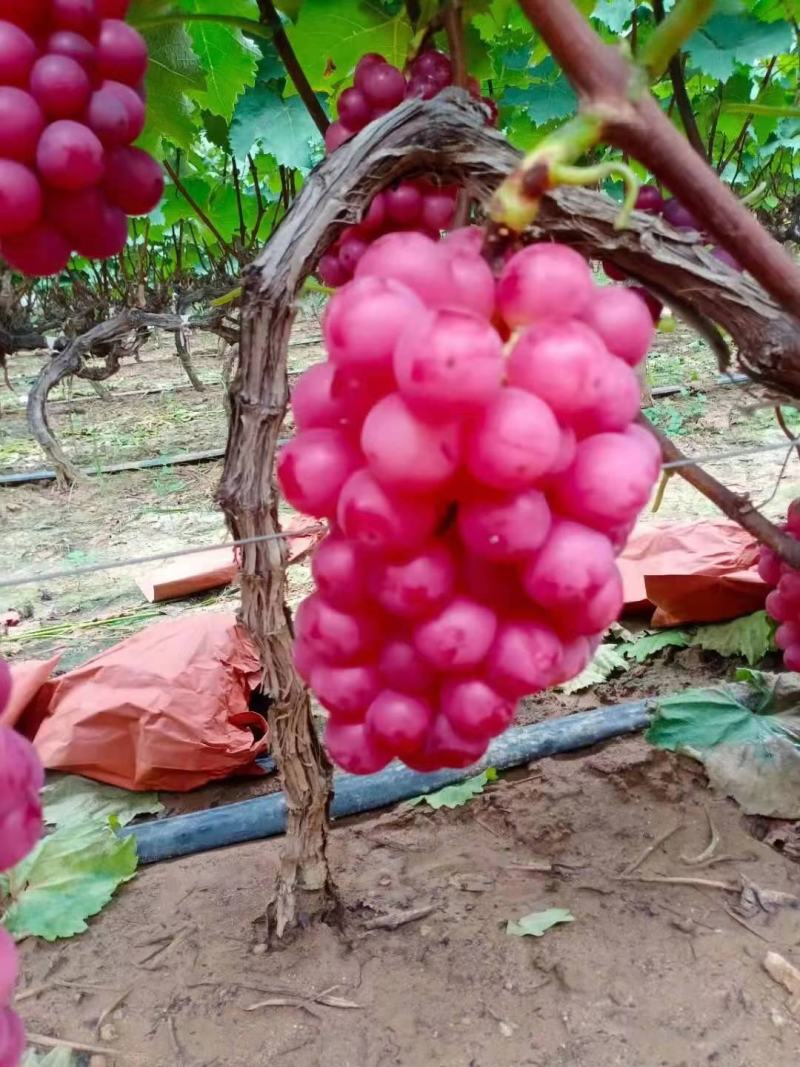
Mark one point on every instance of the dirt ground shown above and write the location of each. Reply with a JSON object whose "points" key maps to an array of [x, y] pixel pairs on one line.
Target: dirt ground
{"points": [[648, 974]]}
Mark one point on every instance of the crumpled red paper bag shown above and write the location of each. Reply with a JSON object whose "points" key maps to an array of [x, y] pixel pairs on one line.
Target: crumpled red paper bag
{"points": [[692, 572], [165, 709], [24, 710]]}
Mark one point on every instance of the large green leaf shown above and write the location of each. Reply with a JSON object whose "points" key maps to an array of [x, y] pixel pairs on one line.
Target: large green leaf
{"points": [[749, 636], [174, 74], [227, 57], [615, 14], [726, 40], [280, 125], [71, 800], [70, 876], [750, 748], [330, 37], [547, 96]]}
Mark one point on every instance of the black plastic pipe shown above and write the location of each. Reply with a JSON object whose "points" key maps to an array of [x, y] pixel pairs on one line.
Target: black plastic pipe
{"points": [[251, 820]]}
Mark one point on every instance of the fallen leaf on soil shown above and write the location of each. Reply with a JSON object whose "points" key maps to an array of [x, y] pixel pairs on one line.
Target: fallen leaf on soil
{"points": [[453, 796], [750, 749], [785, 974], [71, 875], [72, 799], [641, 648], [538, 922], [59, 1057], [606, 660], [750, 636]]}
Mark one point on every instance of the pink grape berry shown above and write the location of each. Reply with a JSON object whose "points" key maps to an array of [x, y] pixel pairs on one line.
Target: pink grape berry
{"points": [[398, 722], [351, 748], [543, 281], [21, 778], [415, 587], [313, 468], [458, 637], [405, 453], [18, 53], [381, 520]]}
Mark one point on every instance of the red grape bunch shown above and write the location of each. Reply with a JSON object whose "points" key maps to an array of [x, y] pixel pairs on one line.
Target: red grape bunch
{"points": [[783, 603], [71, 106], [21, 778], [471, 443], [678, 215], [411, 205]]}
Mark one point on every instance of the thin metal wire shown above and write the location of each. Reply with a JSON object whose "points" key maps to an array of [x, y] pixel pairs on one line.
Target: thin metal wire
{"points": [[720, 457], [94, 568]]}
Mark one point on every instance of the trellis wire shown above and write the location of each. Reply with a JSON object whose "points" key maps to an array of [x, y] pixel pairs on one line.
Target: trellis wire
{"points": [[94, 568]]}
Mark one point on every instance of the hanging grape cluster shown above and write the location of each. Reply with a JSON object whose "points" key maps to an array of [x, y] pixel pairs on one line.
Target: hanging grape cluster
{"points": [[783, 602], [71, 106], [673, 211], [471, 443], [418, 205], [21, 778]]}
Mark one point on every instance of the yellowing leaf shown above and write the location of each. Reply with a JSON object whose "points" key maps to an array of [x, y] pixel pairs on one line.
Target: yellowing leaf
{"points": [[538, 922]]}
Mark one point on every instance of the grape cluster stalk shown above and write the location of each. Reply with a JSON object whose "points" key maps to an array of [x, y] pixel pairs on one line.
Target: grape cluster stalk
{"points": [[471, 441], [72, 102], [418, 205], [783, 602], [676, 213], [21, 778]]}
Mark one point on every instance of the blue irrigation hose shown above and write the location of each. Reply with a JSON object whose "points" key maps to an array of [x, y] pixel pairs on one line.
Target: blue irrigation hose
{"points": [[251, 820]]}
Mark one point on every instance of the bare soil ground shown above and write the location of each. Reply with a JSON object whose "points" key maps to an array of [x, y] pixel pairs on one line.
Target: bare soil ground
{"points": [[648, 974]]}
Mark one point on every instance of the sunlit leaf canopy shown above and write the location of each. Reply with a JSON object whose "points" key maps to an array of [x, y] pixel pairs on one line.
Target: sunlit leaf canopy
{"points": [[237, 140]]}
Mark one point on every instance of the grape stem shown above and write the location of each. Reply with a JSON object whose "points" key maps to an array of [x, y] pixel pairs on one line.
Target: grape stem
{"points": [[453, 22], [672, 33], [283, 46], [603, 78]]}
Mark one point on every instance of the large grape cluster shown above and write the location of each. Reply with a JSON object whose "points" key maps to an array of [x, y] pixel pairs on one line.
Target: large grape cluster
{"points": [[675, 212], [471, 442], [410, 205], [783, 603], [21, 778], [71, 106]]}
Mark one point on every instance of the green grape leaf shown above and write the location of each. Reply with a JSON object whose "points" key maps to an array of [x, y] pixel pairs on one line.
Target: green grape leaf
{"points": [[538, 922], [71, 875], [749, 636], [227, 57], [173, 75], [547, 96], [280, 125], [641, 648], [729, 39], [607, 659], [330, 38], [455, 796], [614, 14], [750, 749], [70, 799]]}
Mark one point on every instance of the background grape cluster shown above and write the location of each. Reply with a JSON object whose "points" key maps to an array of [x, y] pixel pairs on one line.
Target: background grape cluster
{"points": [[21, 778], [783, 603], [472, 444], [71, 106], [411, 205], [674, 212]]}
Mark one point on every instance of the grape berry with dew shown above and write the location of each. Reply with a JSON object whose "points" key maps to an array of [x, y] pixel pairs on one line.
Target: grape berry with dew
{"points": [[71, 106], [478, 491], [417, 205], [21, 778], [783, 602], [672, 210]]}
